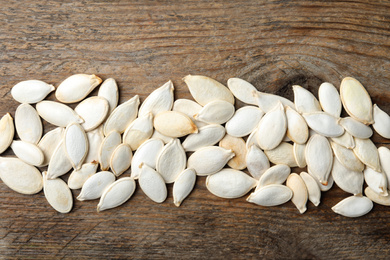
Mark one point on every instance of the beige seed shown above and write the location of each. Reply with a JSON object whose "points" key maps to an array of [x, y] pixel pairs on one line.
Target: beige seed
{"points": [[57, 114], [322, 186], [49, 142], [324, 124], [58, 194], [297, 129], [31, 91], [7, 131], [242, 90], [375, 197], [147, 154], [345, 140], [183, 186], [305, 101], [109, 91], [367, 153], [171, 161], [159, 100], [215, 112], [377, 181], [271, 195], [244, 121], [28, 124], [299, 154], [329, 99], [116, 194], [300, 195], [354, 206], [348, 180], [382, 122], [252, 139], [207, 135], [256, 161], [237, 145], [76, 87], [312, 187], [95, 185], [347, 157], [164, 138], [282, 154], [139, 131], [267, 102], [152, 184], [107, 147], [277, 174], [355, 128], [59, 163], [384, 158], [95, 139], [27, 152], [121, 159], [174, 124], [189, 108], [77, 178], [94, 111], [76, 145]]}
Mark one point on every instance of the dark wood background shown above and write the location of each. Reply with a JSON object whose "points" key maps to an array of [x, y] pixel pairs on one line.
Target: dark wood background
{"points": [[142, 44]]}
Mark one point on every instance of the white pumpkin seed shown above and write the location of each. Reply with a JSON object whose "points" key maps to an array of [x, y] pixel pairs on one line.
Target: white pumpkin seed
{"points": [[348, 180], [384, 158], [319, 157], [367, 153], [171, 161], [375, 197], [256, 161], [58, 194], [109, 143], [242, 90], [189, 108], [204, 89], [215, 112], [312, 187], [354, 206], [300, 194], [277, 174], [93, 110], [282, 154], [322, 186], [382, 122], [57, 114], [237, 145], [27, 152], [152, 184], [31, 91], [77, 178], [28, 124], [305, 101], [209, 160], [174, 124], [347, 158], [164, 138], [76, 145], [297, 129], [116, 194], [267, 102], [76, 87], [49, 142], [109, 91], [183, 186], [147, 154], [95, 139], [122, 116], [121, 159], [377, 181], [230, 183], [20, 176], [252, 139], [272, 128], [355, 128], [59, 163], [159, 100], [244, 121], [324, 124], [345, 140], [7, 132], [299, 154], [329, 99], [271, 195], [95, 185], [207, 135], [139, 131]]}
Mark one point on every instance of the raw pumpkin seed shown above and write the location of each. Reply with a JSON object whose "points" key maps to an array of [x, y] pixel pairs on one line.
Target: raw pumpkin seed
{"points": [[107, 147], [322, 186], [147, 154], [329, 99], [345, 140], [299, 154], [252, 139], [354, 206], [347, 157], [367, 153], [27, 152], [28, 124], [312, 187], [242, 90], [49, 142], [59, 163], [267, 102], [116, 194], [159, 100], [300, 195], [152, 184], [277, 174], [95, 185], [171, 161], [93, 110], [76, 87], [244, 121], [382, 122], [377, 181], [157, 135], [324, 124], [121, 159], [375, 197], [109, 91], [207, 135], [95, 139], [384, 158], [57, 114], [283, 154], [77, 178], [348, 180], [76, 145], [297, 129], [31, 91], [271, 195], [139, 131], [256, 161], [305, 101], [237, 145], [215, 112], [174, 124], [355, 128], [183, 186], [189, 108], [7, 132], [58, 194]]}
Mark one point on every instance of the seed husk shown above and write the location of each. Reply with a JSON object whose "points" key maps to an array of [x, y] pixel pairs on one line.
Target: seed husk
{"points": [[139, 131], [107, 147], [174, 124], [299, 154], [147, 154], [377, 181], [7, 131], [152, 184], [329, 99], [59, 163], [183, 186], [27, 152], [384, 158], [355, 128], [95, 185], [116, 194], [244, 121], [215, 112], [297, 129], [189, 108], [95, 139], [305, 101], [28, 124], [375, 197], [256, 161], [367, 153], [271, 195], [93, 110], [348, 180], [277, 174], [267, 102], [237, 145], [353, 206], [230, 183], [77, 178], [242, 90], [20, 176], [58, 194], [300, 194], [109, 91], [76, 87], [49, 142], [207, 135], [209, 160], [324, 124], [159, 100], [171, 161], [345, 140], [312, 187], [347, 157], [76, 145], [204, 89], [31, 91], [121, 159], [382, 122], [57, 114], [283, 154]]}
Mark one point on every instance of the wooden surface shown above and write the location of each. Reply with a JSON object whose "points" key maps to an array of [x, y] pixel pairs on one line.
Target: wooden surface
{"points": [[142, 44]]}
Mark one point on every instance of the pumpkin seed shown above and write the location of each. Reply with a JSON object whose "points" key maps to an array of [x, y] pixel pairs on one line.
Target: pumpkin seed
{"points": [[183, 186], [242, 90], [147, 154], [109, 91], [267, 102], [297, 129], [384, 158], [76, 145], [59, 163], [121, 159], [58, 194], [355, 128], [152, 184], [164, 138], [7, 131], [28, 124], [207, 135], [237, 145], [256, 161], [354, 206], [76, 87], [322, 186], [348, 180], [271, 195], [159, 100], [139, 131], [215, 112], [93, 110], [277, 174], [77, 178], [375, 197], [171, 161], [377, 181], [329, 99], [347, 158], [49, 142], [95, 139], [299, 154], [95, 185], [31, 91], [283, 154], [305, 101], [244, 121], [116, 194], [57, 114], [252, 139], [367, 153], [324, 124], [300, 195], [107, 147], [174, 124], [27, 152], [345, 140], [312, 187], [382, 122], [189, 108]]}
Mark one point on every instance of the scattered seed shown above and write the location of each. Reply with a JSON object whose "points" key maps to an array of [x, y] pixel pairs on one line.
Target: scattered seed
{"points": [[159, 100], [152, 184], [116, 194], [94, 186], [7, 132], [237, 145], [271, 195], [183, 186], [354, 206], [171, 161], [58, 194], [28, 124], [76, 87], [31, 91]]}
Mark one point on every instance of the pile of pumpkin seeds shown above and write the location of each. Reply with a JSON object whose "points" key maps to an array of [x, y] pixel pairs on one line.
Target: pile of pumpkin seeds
{"points": [[165, 141]]}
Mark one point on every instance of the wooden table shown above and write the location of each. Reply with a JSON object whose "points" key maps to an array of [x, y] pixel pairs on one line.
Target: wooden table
{"points": [[142, 44]]}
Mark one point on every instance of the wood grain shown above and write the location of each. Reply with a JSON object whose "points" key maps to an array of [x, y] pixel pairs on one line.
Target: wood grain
{"points": [[142, 44]]}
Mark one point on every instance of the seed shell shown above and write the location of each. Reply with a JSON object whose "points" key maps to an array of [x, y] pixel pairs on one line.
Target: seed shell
{"points": [[93, 110], [312, 187], [348, 180], [31, 91], [277, 174], [305, 101], [121, 159], [215, 112], [109, 91], [94, 186], [256, 161], [59, 163], [355, 128], [189, 108], [206, 136], [330, 99], [7, 132], [271, 195], [283, 154], [300, 194], [267, 102], [49, 142], [77, 178], [28, 124], [76, 87], [382, 122], [297, 129], [76, 145], [375, 197], [152, 184], [244, 121], [58, 194], [171, 161], [237, 145], [27, 152], [183, 186], [116, 194], [174, 124], [107, 147], [57, 114], [367, 153], [354, 206], [377, 181], [95, 139], [242, 90], [147, 154], [158, 101], [324, 124], [347, 158], [139, 131]]}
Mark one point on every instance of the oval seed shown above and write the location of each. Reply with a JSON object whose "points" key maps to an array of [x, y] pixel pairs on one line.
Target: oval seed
{"points": [[377, 181], [59, 163], [121, 159], [215, 112], [283, 154], [77, 178], [109, 91], [122, 116], [27, 152], [189, 108], [93, 110], [28, 124], [116, 194], [355, 128], [7, 132], [271, 195], [329, 99], [207, 135], [57, 114], [382, 122], [95, 139], [230, 183], [322, 186], [242, 90], [277, 174], [305, 101], [58, 194], [267, 102], [312, 187], [244, 121], [109, 143], [31, 91], [297, 129], [348, 180], [252, 139], [237, 145], [347, 158], [183, 186], [20, 176], [204, 90], [375, 197], [354, 206], [345, 140], [139, 131], [147, 154], [384, 158], [76, 145], [209, 160], [174, 124], [298, 187], [171, 161], [299, 154], [152, 184], [49, 142], [76, 87], [367, 153], [356, 100], [159, 100], [324, 124], [94, 186], [256, 161]]}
